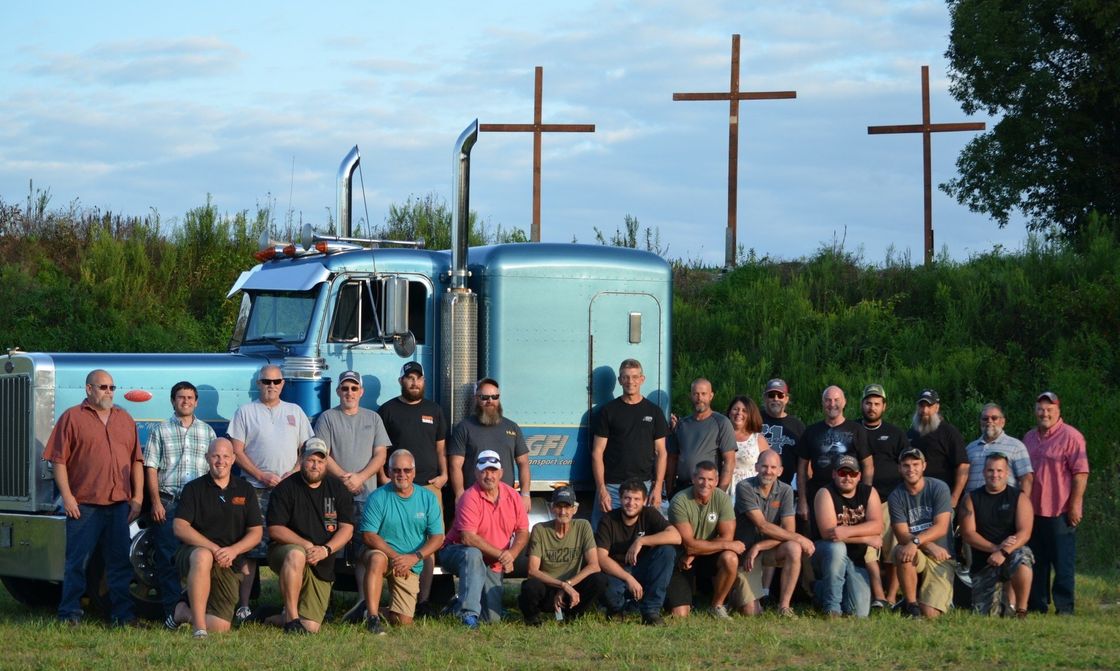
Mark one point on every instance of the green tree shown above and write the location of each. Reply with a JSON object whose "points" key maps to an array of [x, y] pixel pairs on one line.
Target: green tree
{"points": [[429, 218], [629, 237], [1051, 69]]}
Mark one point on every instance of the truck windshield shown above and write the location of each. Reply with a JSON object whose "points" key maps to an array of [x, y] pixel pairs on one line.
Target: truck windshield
{"points": [[280, 316]]}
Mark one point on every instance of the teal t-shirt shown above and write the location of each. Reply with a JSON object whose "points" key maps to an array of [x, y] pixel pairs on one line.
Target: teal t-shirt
{"points": [[404, 524]]}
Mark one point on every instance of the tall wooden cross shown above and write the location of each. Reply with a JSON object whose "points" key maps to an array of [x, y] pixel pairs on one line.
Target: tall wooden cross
{"points": [[734, 95], [536, 128], [926, 128]]}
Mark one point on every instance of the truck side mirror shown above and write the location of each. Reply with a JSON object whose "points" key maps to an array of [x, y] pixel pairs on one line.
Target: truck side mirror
{"points": [[394, 317]]}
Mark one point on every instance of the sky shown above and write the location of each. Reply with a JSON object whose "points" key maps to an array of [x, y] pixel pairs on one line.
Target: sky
{"points": [[141, 108]]}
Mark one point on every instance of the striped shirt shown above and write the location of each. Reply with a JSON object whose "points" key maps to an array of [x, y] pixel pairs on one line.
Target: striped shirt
{"points": [[1012, 448], [178, 453]]}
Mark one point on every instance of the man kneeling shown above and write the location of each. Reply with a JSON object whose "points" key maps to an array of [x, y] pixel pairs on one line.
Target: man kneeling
{"points": [[217, 522], [309, 520], [848, 521]]}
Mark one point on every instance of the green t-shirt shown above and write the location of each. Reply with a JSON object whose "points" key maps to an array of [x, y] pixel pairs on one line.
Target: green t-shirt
{"points": [[561, 558], [703, 518]]}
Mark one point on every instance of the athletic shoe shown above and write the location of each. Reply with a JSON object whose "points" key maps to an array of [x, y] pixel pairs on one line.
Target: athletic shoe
{"points": [[654, 620], [199, 633], [471, 621], [880, 604], [295, 627], [374, 626], [242, 615], [787, 612], [911, 610], [170, 623]]}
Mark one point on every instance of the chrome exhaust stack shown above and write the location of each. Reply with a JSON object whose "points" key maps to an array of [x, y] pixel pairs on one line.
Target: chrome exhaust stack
{"points": [[460, 217], [343, 226]]}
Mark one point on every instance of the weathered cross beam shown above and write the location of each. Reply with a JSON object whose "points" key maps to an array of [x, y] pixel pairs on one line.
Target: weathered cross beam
{"points": [[926, 128], [734, 96], [536, 128]]}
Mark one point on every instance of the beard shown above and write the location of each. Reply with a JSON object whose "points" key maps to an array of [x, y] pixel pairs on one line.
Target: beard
{"points": [[412, 395], [488, 415], [311, 477], [991, 432], [924, 427]]}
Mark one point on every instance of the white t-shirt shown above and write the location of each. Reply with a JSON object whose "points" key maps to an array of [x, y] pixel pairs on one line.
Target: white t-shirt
{"points": [[272, 436]]}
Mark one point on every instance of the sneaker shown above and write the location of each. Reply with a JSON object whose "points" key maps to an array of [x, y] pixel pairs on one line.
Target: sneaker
{"points": [[911, 610], [357, 613], [1020, 614], [471, 621], [294, 627], [880, 605], [787, 613], [720, 612], [170, 623], [199, 633], [374, 626], [654, 620], [242, 615]]}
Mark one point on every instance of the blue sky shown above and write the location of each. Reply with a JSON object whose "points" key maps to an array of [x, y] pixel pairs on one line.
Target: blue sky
{"points": [[131, 107]]}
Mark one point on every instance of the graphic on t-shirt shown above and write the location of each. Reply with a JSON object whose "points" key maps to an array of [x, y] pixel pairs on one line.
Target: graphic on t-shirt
{"points": [[920, 518], [330, 515], [837, 442], [851, 516], [776, 436]]}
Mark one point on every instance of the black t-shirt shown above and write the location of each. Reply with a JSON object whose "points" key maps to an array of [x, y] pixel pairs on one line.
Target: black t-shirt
{"points": [[312, 513], [221, 515], [616, 538], [995, 519], [417, 428], [849, 512], [944, 449], [630, 430], [886, 442], [821, 444], [783, 434]]}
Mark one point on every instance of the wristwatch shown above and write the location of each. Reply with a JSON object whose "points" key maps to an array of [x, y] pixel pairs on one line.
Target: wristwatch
{"points": [[916, 541]]}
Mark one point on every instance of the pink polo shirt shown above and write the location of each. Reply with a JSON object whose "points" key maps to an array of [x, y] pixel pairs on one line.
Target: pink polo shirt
{"points": [[495, 521], [1056, 457]]}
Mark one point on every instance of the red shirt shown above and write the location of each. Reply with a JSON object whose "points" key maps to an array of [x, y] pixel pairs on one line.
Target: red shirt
{"points": [[495, 521], [1056, 457], [98, 456]]}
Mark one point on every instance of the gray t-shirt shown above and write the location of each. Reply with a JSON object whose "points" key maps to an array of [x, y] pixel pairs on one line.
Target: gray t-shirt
{"points": [[701, 440], [918, 510], [352, 439], [774, 507], [470, 437], [272, 436]]}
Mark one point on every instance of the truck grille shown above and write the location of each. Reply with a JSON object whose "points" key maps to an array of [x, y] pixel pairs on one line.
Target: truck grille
{"points": [[15, 437]]}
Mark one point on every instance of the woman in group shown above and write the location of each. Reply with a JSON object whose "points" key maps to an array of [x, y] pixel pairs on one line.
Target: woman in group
{"points": [[747, 421]]}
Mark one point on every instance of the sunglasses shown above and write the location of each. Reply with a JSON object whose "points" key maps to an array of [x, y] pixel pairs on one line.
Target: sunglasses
{"points": [[847, 474], [488, 397], [105, 387], [350, 388], [775, 394], [266, 381], [489, 461], [401, 471], [996, 418]]}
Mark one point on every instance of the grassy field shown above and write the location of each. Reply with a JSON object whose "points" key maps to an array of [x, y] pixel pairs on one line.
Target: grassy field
{"points": [[1090, 640]]}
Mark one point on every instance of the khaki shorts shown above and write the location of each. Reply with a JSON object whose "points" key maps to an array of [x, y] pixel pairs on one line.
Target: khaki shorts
{"points": [[748, 584], [886, 553], [314, 594], [402, 590], [224, 583], [935, 581]]}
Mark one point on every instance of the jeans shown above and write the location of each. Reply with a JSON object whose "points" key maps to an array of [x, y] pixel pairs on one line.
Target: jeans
{"points": [[1053, 542], [106, 526], [841, 587], [479, 587], [653, 571], [536, 596], [166, 544]]}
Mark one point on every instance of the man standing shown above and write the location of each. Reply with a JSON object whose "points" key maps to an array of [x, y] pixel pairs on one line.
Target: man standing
{"points": [[491, 528], [993, 440], [175, 455], [563, 564], [824, 442], [847, 513], [266, 436], [488, 429], [1061, 473], [705, 518], [629, 443], [402, 526], [766, 525], [356, 441], [418, 424], [98, 470], [310, 519], [218, 521], [941, 443], [635, 546], [705, 435], [886, 443], [781, 430], [996, 520], [920, 512]]}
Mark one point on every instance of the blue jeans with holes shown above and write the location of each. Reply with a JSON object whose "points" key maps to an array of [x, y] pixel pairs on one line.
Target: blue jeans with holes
{"points": [[480, 589], [1054, 543], [166, 544], [653, 571], [107, 527], [841, 587]]}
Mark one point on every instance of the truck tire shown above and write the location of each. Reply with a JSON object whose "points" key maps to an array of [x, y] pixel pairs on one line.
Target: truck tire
{"points": [[34, 593]]}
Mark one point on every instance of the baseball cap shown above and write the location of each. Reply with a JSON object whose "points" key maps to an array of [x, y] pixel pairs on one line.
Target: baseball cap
{"points": [[488, 459], [929, 396], [564, 496], [350, 376], [875, 390], [777, 384], [315, 445], [412, 367], [1048, 396], [911, 453], [846, 461]]}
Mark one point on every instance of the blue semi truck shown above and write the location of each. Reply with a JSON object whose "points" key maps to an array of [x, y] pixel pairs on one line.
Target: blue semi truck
{"points": [[550, 322]]}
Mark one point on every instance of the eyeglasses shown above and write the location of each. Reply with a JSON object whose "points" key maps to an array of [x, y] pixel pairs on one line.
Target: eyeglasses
{"points": [[105, 387], [992, 418], [488, 397], [266, 381], [401, 471], [775, 394], [847, 474]]}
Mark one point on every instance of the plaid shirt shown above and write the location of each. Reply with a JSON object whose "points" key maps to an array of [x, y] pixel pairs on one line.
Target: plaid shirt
{"points": [[177, 453]]}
